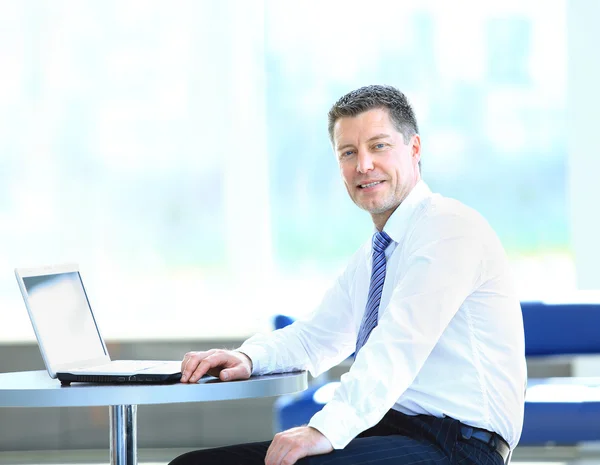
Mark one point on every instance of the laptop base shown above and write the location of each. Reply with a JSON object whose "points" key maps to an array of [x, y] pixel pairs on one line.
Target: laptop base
{"points": [[67, 378]]}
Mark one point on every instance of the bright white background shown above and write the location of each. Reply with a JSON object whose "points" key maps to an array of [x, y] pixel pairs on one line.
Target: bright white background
{"points": [[178, 152]]}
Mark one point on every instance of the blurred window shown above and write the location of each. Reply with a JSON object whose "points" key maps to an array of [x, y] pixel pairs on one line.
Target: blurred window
{"points": [[181, 156]]}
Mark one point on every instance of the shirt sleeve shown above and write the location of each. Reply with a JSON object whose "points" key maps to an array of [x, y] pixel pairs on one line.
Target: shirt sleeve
{"points": [[442, 267], [315, 343]]}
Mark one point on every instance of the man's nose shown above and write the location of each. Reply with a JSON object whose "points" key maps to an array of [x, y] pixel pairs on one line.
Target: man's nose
{"points": [[364, 161]]}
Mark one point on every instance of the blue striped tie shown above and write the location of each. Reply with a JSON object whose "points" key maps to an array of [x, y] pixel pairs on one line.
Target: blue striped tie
{"points": [[380, 242]]}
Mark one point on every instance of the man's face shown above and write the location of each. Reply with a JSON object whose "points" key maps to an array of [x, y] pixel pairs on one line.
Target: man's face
{"points": [[378, 168]]}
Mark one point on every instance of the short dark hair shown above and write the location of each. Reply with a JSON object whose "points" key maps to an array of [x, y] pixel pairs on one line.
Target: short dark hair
{"points": [[377, 96]]}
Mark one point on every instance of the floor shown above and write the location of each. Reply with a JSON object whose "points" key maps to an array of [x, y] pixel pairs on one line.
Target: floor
{"points": [[585, 455]]}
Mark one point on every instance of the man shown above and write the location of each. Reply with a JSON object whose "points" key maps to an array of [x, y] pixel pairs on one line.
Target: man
{"points": [[427, 306]]}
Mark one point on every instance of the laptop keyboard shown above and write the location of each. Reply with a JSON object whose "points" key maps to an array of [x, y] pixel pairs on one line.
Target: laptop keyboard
{"points": [[122, 366]]}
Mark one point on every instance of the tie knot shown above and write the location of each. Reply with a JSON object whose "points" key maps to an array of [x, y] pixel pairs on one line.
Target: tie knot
{"points": [[380, 241]]}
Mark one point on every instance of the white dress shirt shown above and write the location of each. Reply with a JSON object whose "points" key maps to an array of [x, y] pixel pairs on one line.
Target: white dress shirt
{"points": [[450, 335]]}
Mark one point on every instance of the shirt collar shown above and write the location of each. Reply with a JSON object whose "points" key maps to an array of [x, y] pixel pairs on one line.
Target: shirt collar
{"points": [[398, 222]]}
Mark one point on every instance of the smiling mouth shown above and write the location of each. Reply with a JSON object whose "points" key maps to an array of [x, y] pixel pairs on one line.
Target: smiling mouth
{"points": [[371, 184]]}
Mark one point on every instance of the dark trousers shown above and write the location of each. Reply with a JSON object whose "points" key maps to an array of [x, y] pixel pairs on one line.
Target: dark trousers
{"points": [[396, 439]]}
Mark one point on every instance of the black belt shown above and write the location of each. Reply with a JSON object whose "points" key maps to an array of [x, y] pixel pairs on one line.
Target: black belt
{"points": [[495, 441]]}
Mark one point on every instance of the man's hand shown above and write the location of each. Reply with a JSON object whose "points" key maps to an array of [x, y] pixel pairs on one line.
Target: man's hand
{"points": [[226, 365], [291, 445]]}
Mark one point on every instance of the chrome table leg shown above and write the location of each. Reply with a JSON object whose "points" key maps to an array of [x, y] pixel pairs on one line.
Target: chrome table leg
{"points": [[123, 434]]}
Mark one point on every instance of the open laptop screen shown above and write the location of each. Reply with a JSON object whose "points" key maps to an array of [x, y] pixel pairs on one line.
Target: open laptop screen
{"points": [[65, 324]]}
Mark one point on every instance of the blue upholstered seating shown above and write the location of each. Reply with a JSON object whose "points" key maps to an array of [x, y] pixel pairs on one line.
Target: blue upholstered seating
{"points": [[561, 410], [557, 410]]}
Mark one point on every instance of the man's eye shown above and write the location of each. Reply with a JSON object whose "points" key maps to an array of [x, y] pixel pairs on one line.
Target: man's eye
{"points": [[347, 153], [379, 146]]}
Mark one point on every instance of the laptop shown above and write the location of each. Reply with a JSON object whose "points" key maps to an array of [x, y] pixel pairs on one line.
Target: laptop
{"points": [[68, 335]]}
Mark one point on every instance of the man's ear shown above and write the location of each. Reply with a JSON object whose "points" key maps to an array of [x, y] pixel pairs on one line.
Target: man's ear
{"points": [[416, 148]]}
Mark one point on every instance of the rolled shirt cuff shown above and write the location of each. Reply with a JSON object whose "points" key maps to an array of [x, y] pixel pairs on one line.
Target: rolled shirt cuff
{"points": [[339, 423], [259, 357]]}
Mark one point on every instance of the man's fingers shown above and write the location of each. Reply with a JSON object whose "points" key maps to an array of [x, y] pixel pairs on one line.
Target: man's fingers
{"points": [[226, 365], [237, 372], [190, 362], [202, 368], [274, 451], [290, 446], [287, 454], [293, 455], [280, 449], [215, 360], [188, 366]]}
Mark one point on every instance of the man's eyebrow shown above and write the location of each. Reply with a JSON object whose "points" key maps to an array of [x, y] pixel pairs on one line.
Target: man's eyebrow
{"points": [[345, 146], [379, 136]]}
